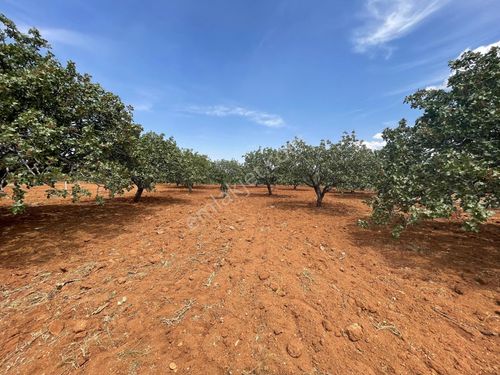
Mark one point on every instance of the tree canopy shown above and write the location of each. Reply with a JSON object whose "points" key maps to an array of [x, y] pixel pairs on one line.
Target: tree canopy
{"points": [[193, 168], [153, 159], [331, 165], [266, 165], [227, 171], [448, 162], [55, 123]]}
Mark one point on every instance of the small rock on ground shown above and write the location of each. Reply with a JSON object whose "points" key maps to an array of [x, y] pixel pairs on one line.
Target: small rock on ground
{"points": [[459, 289], [55, 328], [354, 332], [264, 275], [294, 348], [79, 326], [327, 325]]}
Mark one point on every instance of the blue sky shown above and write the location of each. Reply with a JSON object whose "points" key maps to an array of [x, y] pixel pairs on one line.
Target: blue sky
{"points": [[224, 77]]}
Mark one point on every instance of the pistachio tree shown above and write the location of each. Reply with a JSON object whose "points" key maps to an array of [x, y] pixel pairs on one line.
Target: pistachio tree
{"points": [[226, 171], [289, 174], [55, 123], [330, 165], [359, 167], [449, 161], [193, 168], [265, 164], [153, 159]]}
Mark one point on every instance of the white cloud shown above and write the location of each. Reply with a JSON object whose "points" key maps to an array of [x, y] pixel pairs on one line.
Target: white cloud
{"points": [[481, 49], [484, 49], [441, 86], [388, 20], [376, 143], [263, 118]]}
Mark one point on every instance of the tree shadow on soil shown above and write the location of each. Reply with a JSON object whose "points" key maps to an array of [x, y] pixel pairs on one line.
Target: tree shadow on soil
{"points": [[290, 188], [439, 246], [263, 195], [57, 230], [195, 188], [193, 192], [327, 209], [148, 200]]}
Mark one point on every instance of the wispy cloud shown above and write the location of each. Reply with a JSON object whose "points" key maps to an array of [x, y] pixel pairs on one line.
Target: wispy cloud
{"points": [[387, 20], [259, 117], [415, 63], [64, 37], [439, 79], [434, 80], [146, 99], [143, 107]]}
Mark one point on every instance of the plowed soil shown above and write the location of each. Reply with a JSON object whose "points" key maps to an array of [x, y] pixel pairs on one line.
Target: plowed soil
{"points": [[250, 284]]}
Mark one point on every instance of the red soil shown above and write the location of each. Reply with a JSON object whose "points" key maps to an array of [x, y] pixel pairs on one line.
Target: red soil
{"points": [[260, 285]]}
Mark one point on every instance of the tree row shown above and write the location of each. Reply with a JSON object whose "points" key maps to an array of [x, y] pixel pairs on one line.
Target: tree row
{"points": [[56, 124]]}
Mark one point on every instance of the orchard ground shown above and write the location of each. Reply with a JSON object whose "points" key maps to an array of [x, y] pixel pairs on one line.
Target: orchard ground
{"points": [[183, 283]]}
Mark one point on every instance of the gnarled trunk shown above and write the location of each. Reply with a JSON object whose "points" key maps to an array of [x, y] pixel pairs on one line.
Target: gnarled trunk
{"points": [[269, 189], [138, 194], [319, 195]]}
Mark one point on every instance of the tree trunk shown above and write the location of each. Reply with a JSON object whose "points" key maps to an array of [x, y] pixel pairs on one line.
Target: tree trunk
{"points": [[319, 195], [190, 188], [319, 200], [138, 194], [269, 190], [3, 177], [294, 187]]}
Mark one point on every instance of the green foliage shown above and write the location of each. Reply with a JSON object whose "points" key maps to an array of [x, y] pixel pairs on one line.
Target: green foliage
{"points": [[357, 166], [58, 125], [448, 162], [153, 159], [55, 123], [265, 166], [193, 168], [226, 171], [348, 164], [289, 173], [362, 223]]}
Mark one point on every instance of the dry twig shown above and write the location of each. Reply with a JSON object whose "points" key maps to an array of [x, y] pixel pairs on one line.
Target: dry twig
{"points": [[179, 314]]}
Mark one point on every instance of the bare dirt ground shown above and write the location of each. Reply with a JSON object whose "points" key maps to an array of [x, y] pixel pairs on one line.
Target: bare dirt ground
{"points": [[262, 285]]}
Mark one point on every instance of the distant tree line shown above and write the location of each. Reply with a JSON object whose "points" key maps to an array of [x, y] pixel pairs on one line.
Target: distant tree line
{"points": [[59, 125]]}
